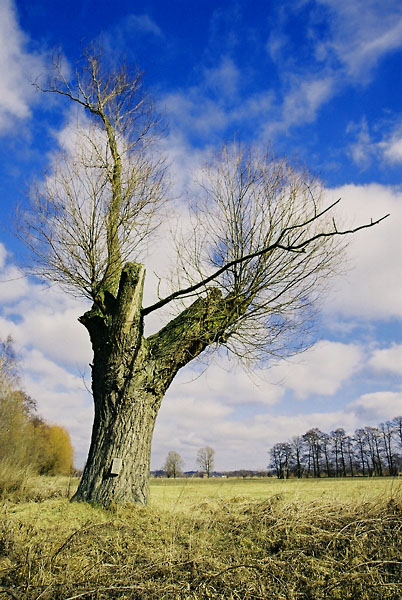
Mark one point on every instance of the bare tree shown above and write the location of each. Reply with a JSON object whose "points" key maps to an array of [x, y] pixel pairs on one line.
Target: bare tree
{"points": [[281, 455], [174, 464], [205, 460], [387, 431], [339, 446], [262, 247], [396, 424], [313, 440], [362, 451], [296, 446]]}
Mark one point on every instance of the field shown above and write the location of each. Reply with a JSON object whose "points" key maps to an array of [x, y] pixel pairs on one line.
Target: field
{"points": [[200, 539], [185, 492]]}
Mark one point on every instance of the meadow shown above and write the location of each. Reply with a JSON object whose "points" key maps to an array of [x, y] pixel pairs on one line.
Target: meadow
{"points": [[200, 539]]}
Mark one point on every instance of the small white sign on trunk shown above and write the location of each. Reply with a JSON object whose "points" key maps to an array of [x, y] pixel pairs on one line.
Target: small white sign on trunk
{"points": [[116, 466]]}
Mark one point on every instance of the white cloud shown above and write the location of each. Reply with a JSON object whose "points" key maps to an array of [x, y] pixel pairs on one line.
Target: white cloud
{"points": [[19, 67], [386, 149], [371, 289], [320, 370], [363, 31], [13, 283], [388, 359], [224, 78], [391, 148], [228, 381], [193, 111], [3, 255], [372, 408], [61, 398], [275, 45], [363, 149], [302, 102], [143, 24]]}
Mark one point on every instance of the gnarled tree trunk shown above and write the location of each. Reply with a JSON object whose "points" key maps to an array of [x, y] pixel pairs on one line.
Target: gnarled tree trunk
{"points": [[130, 375]]}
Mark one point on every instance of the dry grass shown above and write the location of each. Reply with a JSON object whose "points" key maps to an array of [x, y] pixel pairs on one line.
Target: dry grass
{"points": [[229, 548], [19, 484]]}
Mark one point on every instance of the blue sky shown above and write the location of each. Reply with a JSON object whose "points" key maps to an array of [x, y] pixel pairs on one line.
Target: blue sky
{"points": [[317, 80]]}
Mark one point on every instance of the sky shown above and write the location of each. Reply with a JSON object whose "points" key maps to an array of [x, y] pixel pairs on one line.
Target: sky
{"points": [[319, 81]]}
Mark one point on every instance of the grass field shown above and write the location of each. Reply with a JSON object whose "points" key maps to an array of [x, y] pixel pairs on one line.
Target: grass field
{"points": [[230, 539], [182, 492]]}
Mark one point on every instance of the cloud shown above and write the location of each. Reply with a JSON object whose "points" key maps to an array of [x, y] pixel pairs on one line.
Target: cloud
{"points": [[228, 381], [372, 408], [61, 398], [388, 359], [43, 317], [143, 24], [363, 31], [321, 370], [13, 283], [19, 67], [377, 145], [357, 36], [224, 78], [301, 104], [363, 149], [371, 287], [391, 148]]}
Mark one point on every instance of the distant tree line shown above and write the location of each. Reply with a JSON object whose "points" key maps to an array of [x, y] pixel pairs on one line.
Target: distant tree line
{"points": [[370, 451], [25, 438]]}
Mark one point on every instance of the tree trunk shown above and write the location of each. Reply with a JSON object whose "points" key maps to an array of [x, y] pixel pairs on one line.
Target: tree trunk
{"points": [[118, 465], [130, 375], [126, 401]]}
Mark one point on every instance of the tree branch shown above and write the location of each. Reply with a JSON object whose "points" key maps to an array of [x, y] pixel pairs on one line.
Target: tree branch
{"points": [[276, 245]]}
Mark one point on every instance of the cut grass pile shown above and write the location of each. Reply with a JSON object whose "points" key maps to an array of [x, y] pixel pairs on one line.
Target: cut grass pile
{"points": [[206, 545]]}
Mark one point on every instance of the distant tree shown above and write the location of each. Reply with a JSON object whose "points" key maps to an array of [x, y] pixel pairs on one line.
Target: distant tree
{"points": [[350, 453], [174, 464], [387, 431], [16, 408], [313, 440], [281, 455], [205, 460], [362, 451], [25, 439], [339, 448], [325, 440], [296, 447], [396, 423], [53, 449]]}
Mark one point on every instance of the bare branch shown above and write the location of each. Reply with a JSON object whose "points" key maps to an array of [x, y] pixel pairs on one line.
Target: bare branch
{"points": [[189, 291]]}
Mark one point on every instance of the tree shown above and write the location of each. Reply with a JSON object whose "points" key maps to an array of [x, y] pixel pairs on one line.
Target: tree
{"points": [[263, 244], [205, 460], [25, 439], [16, 409], [396, 424], [296, 446], [339, 444], [174, 464], [387, 431], [362, 451], [281, 455], [313, 440], [52, 448]]}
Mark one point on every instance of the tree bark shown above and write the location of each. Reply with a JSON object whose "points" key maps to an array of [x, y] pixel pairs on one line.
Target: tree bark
{"points": [[130, 375]]}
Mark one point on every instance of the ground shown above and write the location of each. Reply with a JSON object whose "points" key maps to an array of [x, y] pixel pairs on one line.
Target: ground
{"points": [[198, 539]]}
